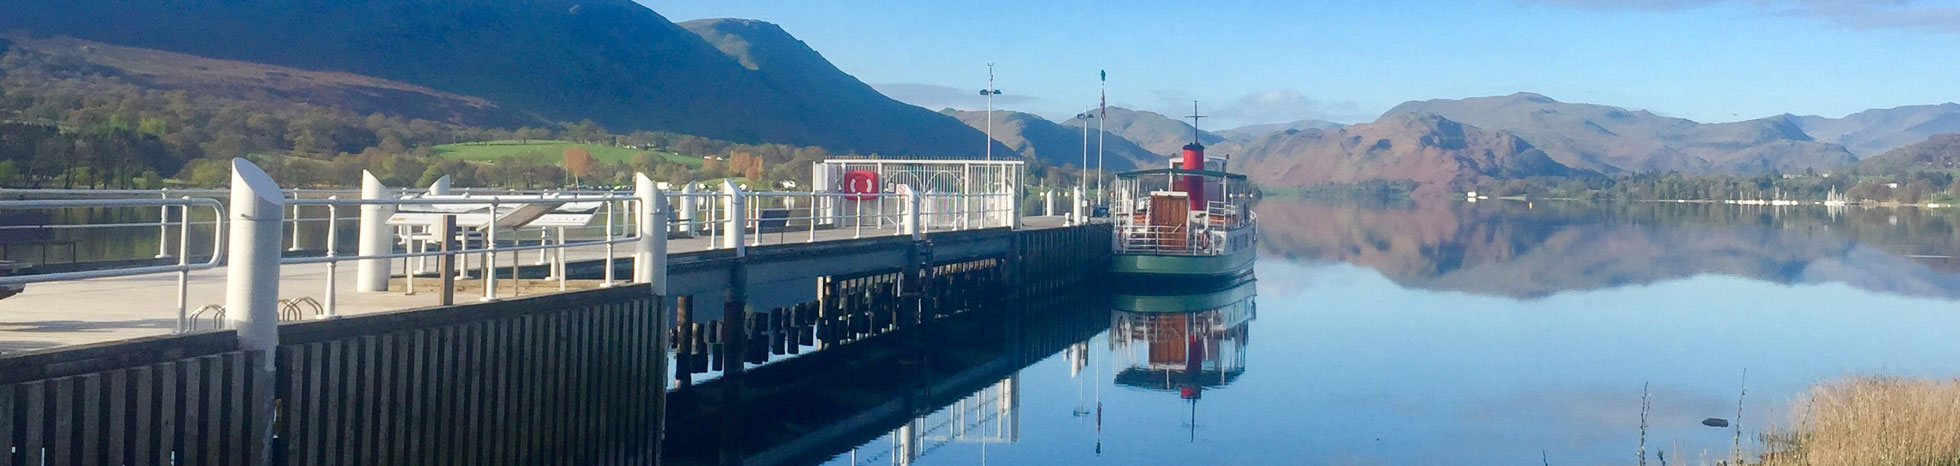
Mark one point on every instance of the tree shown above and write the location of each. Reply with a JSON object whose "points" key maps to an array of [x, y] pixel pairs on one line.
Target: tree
{"points": [[585, 131], [577, 161]]}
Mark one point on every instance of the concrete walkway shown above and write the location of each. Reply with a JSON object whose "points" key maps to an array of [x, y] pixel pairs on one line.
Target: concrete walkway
{"points": [[76, 312]]}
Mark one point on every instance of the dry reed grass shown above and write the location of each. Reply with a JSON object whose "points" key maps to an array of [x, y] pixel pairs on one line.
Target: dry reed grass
{"points": [[1867, 420]]}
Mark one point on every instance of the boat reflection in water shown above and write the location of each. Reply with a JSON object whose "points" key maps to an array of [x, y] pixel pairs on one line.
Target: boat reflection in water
{"points": [[1184, 341]]}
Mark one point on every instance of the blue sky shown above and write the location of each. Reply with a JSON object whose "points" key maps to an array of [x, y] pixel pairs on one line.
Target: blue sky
{"points": [[1274, 61]]}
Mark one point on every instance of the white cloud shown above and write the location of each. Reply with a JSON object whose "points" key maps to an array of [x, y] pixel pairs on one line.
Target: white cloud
{"points": [[1285, 106], [1856, 14]]}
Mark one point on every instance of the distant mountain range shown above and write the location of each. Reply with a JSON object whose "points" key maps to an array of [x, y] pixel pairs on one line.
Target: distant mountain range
{"points": [[1037, 138], [1440, 155], [1614, 140], [1155, 132], [1873, 132], [1940, 153], [612, 61], [1249, 133]]}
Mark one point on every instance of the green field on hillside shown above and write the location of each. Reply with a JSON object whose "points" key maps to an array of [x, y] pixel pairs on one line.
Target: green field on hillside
{"points": [[495, 150]]}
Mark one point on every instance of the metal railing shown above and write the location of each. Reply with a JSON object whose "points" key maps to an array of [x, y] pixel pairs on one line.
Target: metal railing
{"points": [[731, 218], [796, 216], [490, 246], [182, 268]]}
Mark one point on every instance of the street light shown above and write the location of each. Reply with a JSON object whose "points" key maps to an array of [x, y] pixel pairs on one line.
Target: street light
{"points": [[990, 92]]}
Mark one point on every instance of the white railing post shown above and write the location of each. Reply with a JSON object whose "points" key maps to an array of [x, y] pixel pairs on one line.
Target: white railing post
{"points": [[294, 240], [686, 213], [909, 222], [734, 219], [650, 258], [371, 275], [163, 224], [333, 253], [1010, 199], [489, 261]]}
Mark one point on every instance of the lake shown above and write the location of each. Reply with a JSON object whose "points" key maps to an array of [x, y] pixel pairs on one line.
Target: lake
{"points": [[1497, 332]]}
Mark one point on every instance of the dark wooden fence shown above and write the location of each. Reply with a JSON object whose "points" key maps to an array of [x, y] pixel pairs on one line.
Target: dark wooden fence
{"points": [[571, 378], [557, 379], [1053, 259], [181, 399]]}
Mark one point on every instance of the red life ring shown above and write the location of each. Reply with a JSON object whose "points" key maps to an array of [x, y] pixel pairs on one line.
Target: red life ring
{"points": [[860, 185]]}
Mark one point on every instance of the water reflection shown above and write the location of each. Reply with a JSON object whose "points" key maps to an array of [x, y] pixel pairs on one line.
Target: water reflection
{"points": [[1183, 342], [1535, 249]]}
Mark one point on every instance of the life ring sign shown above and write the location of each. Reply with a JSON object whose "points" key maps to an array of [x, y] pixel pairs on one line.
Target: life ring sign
{"points": [[860, 185]]}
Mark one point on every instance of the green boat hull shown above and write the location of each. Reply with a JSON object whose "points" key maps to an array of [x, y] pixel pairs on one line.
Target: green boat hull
{"points": [[1183, 266], [1160, 303]]}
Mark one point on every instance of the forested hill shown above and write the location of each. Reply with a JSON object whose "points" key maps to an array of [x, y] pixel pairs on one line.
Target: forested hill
{"points": [[612, 61]]}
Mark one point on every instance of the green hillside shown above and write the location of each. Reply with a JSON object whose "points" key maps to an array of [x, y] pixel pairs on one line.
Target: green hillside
{"points": [[494, 150]]}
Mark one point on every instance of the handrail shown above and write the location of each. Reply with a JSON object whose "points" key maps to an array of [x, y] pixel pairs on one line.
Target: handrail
{"points": [[216, 258], [183, 267], [792, 215]]}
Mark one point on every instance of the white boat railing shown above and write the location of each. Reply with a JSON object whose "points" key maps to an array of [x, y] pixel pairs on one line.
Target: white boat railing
{"points": [[1205, 233]]}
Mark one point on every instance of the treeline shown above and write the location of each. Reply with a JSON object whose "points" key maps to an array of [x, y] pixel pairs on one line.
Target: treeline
{"points": [[71, 124], [1851, 185]]}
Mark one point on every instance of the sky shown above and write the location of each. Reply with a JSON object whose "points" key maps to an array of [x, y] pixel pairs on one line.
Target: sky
{"points": [[1348, 61]]}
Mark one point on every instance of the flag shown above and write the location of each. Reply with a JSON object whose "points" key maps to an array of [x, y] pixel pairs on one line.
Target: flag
{"points": [[1105, 94]]}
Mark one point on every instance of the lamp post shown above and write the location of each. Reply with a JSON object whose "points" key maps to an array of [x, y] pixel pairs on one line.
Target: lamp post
{"points": [[990, 92]]}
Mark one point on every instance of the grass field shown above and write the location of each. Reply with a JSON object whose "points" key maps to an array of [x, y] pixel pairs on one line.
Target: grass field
{"points": [[494, 150]]}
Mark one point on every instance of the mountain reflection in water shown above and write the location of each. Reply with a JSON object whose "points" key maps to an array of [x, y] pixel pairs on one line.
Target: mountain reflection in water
{"points": [[1432, 333], [1534, 249]]}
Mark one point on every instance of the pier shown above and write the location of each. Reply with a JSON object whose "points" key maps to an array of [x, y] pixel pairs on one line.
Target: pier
{"points": [[562, 353]]}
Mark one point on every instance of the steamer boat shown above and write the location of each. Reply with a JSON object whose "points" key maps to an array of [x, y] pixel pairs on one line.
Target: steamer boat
{"points": [[1192, 219]]}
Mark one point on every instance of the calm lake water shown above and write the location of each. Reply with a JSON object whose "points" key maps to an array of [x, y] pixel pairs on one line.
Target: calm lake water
{"points": [[1487, 333]]}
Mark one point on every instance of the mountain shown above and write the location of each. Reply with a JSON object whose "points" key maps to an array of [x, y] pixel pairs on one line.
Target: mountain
{"points": [[1875, 131], [613, 61], [1437, 154], [1037, 138], [1157, 133], [1938, 153], [1249, 133], [816, 87], [1534, 251], [1615, 140], [205, 78]]}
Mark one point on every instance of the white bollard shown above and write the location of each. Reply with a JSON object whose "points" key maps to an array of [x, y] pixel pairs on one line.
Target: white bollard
{"points": [[252, 268], [734, 219], [686, 214], [909, 220], [371, 275], [650, 257], [252, 285], [1048, 203]]}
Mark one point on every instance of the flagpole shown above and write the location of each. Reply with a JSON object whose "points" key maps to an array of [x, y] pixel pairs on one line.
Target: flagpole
{"points": [[1103, 197]]}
